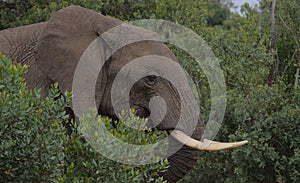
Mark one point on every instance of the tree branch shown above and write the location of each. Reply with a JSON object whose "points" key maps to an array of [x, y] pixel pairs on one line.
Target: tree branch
{"points": [[272, 44]]}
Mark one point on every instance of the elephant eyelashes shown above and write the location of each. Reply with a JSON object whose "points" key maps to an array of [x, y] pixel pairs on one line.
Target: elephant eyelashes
{"points": [[151, 80]]}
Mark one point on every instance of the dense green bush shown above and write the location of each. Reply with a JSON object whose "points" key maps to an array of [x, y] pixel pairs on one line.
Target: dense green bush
{"points": [[31, 135], [268, 117], [271, 124], [34, 147], [81, 156]]}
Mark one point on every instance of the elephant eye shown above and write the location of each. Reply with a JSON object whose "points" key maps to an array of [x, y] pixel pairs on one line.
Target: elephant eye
{"points": [[151, 80]]}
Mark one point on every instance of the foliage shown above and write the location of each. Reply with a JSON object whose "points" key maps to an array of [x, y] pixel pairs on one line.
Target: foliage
{"points": [[272, 129], [288, 55], [219, 11], [16, 13], [31, 135], [81, 156], [11, 12], [268, 117], [34, 146]]}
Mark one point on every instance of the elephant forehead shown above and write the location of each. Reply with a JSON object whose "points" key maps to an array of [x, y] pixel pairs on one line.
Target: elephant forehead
{"points": [[152, 65], [140, 49]]}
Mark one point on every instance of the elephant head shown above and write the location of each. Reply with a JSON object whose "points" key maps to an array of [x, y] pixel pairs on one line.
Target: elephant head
{"points": [[54, 49]]}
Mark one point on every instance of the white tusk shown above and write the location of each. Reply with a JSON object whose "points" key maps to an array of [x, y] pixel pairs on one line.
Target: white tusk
{"points": [[207, 145]]}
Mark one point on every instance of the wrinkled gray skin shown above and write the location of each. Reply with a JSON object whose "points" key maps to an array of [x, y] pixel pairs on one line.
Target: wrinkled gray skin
{"points": [[52, 50]]}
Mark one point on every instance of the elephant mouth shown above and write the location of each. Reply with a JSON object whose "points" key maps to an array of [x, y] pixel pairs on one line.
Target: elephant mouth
{"points": [[141, 111], [207, 145]]}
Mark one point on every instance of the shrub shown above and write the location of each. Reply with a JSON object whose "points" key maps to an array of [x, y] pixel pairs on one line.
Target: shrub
{"points": [[86, 165], [269, 119], [34, 147], [31, 135]]}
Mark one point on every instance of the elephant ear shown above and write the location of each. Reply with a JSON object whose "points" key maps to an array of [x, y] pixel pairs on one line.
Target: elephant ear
{"points": [[65, 38]]}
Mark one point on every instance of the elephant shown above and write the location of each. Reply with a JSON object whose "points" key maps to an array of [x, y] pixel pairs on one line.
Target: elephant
{"points": [[52, 50]]}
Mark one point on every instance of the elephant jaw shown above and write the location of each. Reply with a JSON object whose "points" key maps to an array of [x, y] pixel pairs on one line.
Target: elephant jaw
{"points": [[207, 145]]}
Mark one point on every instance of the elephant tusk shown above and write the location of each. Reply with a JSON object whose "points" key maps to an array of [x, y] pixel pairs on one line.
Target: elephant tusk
{"points": [[207, 145]]}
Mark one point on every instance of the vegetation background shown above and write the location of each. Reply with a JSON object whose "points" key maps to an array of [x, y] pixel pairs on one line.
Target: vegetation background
{"points": [[261, 64]]}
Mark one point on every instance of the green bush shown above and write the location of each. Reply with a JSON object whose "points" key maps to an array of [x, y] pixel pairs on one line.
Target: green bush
{"points": [[34, 147], [31, 135], [270, 122], [86, 165]]}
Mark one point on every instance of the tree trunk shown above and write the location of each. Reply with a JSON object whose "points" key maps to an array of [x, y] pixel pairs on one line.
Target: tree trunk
{"points": [[272, 44], [298, 70]]}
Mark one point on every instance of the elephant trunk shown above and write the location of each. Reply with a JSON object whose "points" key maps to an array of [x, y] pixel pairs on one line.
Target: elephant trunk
{"points": [[190, 135], [184, 159]]}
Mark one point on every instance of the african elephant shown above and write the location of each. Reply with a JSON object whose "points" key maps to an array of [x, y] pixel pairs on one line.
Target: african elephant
{"points": [[52, 50]]}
